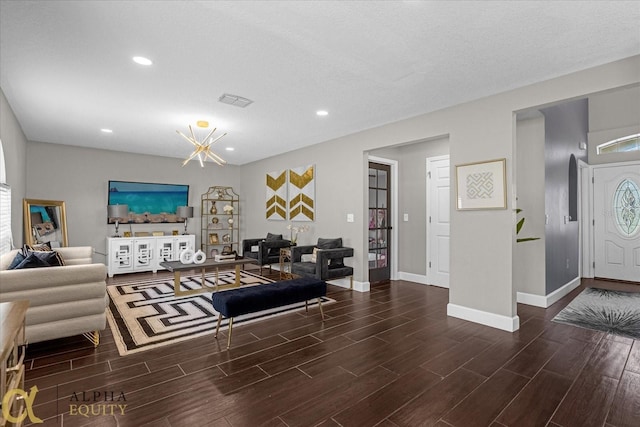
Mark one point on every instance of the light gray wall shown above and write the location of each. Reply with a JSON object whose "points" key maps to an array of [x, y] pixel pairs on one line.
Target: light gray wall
{"points": [[566, 125], [80, 176], [412, 193], [14, 145], [613, 114], [529, 257]]}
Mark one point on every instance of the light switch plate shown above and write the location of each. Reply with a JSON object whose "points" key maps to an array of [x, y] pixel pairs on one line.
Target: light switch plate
{"points": [[350, 218], [405, 217]]}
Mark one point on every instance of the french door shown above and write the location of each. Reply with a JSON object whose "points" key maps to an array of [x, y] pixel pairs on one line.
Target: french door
{"points": [[379, 222]]}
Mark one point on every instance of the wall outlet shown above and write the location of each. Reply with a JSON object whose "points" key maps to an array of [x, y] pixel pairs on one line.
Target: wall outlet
{"points": [[405, 217], [350, 218]]}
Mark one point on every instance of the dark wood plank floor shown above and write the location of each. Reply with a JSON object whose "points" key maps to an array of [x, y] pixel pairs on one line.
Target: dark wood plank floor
{"points": [[390, 357]]}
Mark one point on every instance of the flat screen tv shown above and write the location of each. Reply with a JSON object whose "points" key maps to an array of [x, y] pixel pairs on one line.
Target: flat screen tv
{"points": [[148, 202]]}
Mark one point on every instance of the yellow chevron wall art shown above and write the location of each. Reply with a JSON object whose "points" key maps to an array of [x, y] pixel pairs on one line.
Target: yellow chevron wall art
{"points": [[302, 193], [277, 195]]}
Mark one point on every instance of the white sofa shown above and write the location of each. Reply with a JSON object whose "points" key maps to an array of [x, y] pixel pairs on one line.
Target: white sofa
{"points": [[63, 301]]}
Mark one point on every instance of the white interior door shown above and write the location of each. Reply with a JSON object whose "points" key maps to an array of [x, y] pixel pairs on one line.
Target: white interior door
{"points": [[617, 222], [438, 221]]}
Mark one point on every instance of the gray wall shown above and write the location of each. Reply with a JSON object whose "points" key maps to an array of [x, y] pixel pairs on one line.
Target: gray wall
{"points": [[412, 193], [566, 125], [613, 114], [529, 257], [80, 177], [14, 145]]}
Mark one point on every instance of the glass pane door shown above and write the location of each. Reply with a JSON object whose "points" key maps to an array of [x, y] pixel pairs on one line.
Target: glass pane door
{"points": [[379, 222]]}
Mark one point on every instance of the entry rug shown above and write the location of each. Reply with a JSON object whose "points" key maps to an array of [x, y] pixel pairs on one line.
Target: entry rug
{"points": [[615, 312], [145, 314]]}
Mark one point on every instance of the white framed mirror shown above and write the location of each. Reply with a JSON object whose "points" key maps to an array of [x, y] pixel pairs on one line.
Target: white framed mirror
{"points": [[45, 221]]}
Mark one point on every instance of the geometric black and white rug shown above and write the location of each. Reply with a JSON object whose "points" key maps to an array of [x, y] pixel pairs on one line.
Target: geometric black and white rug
{"points": [[145, 314], [615, 312]]}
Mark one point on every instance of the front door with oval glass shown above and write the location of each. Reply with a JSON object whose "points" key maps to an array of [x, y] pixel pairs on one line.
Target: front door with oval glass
{"points": [[617, 222]]}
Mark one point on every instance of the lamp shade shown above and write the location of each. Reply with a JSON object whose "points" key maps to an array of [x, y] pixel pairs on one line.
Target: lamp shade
{"points": [[184, 212], [118, 211]]}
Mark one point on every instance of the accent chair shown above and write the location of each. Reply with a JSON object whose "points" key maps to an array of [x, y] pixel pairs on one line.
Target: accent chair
{"points": [[265, 250], [328, 263]]}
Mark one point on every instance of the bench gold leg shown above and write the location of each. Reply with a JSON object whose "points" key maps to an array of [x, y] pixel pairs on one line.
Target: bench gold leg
{"points": [[320, 305], [229, 337], [218, 325]]}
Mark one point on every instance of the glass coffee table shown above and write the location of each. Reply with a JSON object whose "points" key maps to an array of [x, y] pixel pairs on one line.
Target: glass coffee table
{"points": [[176, 267]]}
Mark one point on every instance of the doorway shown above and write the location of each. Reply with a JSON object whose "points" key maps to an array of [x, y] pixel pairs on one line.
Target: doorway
{"points": [[617, 222], [379, 222]]}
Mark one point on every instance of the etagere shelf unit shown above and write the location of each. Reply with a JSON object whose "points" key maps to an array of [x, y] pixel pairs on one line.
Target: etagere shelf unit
{"points": [[220, 221]]}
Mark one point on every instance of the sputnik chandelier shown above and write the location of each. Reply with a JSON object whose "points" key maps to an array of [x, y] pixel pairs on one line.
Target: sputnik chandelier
{"points": [[203, 149]]}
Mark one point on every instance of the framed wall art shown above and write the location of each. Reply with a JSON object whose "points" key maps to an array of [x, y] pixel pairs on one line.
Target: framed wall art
{"points": [[481, 185], [277, 195]]}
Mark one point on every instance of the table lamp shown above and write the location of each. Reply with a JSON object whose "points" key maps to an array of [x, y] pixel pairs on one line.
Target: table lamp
{"points": [[118, 212], [185, 212]]}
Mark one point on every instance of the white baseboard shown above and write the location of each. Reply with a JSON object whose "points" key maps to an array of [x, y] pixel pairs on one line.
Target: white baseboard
{"points": [[548, 300], [505, 323], [411, 277], [345, 282]]}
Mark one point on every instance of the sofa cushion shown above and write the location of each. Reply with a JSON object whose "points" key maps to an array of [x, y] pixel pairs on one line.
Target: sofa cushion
{"points": [[38, 259], [271, 237]]}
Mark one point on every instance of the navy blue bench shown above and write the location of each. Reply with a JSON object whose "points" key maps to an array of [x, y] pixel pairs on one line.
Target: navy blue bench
{"points": [[245, 300]]}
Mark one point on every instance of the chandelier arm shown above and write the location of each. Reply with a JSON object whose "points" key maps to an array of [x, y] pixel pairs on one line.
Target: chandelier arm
{"points": [[216, 140], [192, 141], [207, 137], [194, 154], [213, 156]]}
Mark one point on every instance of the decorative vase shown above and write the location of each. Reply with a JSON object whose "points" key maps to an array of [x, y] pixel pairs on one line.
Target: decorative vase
{"points": [[214, 209], [199, 257], [230, 221], [214, 220]]}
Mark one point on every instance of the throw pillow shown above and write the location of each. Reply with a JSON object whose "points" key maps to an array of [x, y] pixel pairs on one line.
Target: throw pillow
{"points": [[37, 259], [314, 255], [38, 247], [330, 243], [16, 261], [273, 237]]}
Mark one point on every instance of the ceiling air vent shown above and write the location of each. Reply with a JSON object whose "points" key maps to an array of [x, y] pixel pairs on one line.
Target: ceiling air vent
{"points": [[236, 100]]}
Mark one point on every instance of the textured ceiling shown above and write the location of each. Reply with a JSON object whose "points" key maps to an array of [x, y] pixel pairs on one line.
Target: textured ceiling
{"points": [[66, 69]]}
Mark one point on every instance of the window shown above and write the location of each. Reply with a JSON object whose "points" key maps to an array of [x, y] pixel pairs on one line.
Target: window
{"points": [[5, 218], [626, 207], [620, 145]]}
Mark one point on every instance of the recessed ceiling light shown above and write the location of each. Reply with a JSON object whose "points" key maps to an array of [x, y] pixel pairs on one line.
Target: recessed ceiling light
{"points": [[202, 123], [322, 113], [142, 60], [229, 148], [106, 130]]}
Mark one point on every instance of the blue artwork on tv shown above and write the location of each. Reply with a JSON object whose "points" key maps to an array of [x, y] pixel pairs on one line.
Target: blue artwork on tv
{"points": [[149, 202]]}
